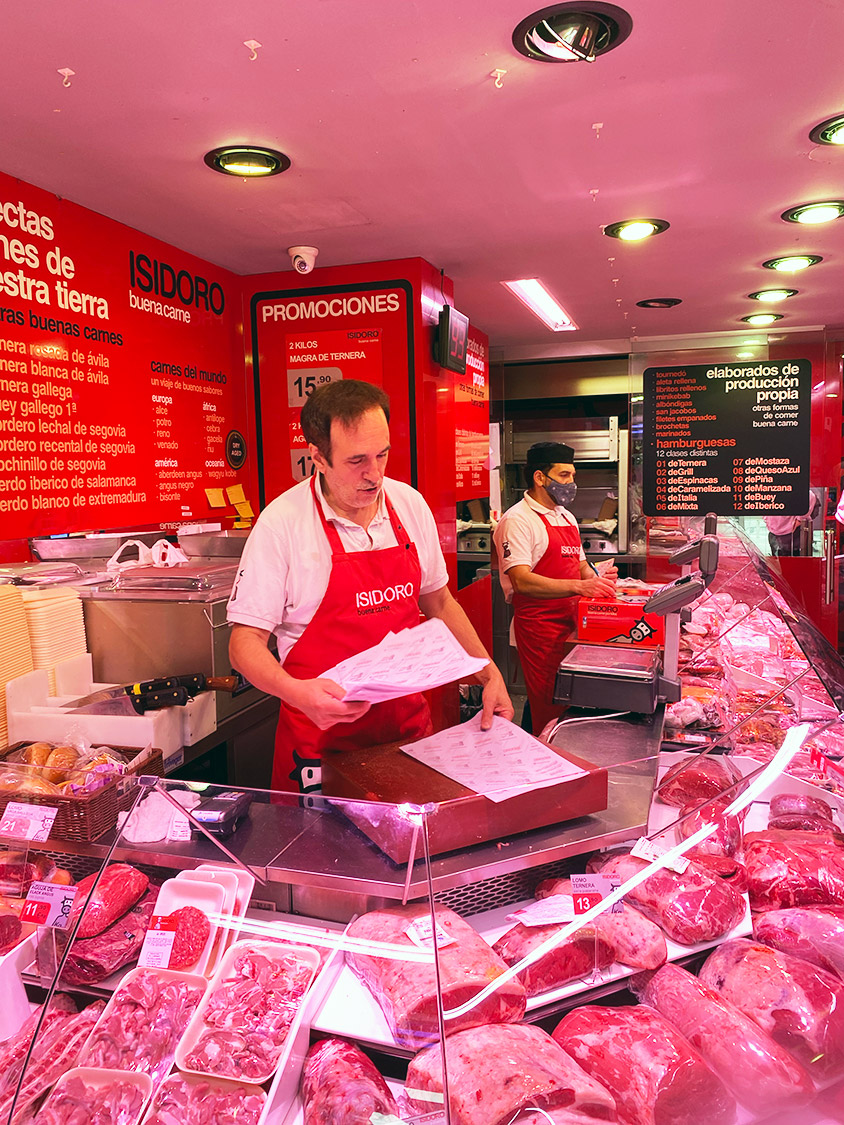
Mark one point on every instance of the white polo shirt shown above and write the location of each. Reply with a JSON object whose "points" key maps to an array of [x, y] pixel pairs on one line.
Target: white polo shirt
{"points": [[521, 539], [283, 574]]}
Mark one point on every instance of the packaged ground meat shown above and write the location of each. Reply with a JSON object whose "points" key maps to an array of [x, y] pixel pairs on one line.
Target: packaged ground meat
{"points": [[407, 989], [815, 933], [800, 1006], [762, 1075], [340, 1084], [793, 869], [119, 888], [654, 1074], [499, 1073], [694, 780]]}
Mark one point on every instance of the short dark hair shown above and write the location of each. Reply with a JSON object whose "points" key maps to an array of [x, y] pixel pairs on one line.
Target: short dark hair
{"points": [[543, 455], [346, 401]]}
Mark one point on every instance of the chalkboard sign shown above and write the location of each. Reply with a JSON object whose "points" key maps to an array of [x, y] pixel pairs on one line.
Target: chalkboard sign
{"points": [[728, 438]]}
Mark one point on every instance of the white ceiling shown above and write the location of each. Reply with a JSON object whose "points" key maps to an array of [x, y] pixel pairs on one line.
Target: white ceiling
{"points": [[402, 145]]}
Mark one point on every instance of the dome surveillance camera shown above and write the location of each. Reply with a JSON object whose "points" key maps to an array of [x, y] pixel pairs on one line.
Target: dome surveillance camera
{"points": [[302, 258]]}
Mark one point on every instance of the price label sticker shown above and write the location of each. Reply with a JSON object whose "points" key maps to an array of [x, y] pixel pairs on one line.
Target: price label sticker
{"points": [[158, 942], [651, 850], [421, 933], [593, 889], [48, 904], [550, 911], [180, 829], [27, 822]]}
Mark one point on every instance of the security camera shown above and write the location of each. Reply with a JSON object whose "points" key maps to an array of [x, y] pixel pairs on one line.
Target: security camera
{"points": [[302, 257]]}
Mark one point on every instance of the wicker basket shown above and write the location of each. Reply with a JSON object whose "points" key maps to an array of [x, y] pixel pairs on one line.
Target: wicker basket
{"points": [[87, 817]]}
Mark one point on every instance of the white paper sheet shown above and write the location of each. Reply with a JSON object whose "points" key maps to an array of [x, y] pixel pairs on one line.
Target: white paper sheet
{"points": [[412, 660], [499, 763]]}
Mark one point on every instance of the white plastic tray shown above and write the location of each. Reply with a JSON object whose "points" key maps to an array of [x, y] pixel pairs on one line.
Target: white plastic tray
{"points": [[215, 1083], [103, 1079], [228, 921], [207, 896]]}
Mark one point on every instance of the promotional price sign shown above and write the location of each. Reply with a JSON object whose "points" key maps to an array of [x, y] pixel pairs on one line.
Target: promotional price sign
{"points": [[728, 438], [471, 419], [589, 890]]}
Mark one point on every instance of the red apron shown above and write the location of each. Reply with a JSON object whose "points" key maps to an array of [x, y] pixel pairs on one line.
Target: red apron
{"points": [[543, 625], [339, 628]]}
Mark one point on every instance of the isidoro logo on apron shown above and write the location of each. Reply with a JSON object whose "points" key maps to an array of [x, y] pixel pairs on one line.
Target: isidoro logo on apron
{"points": [[370, 601]]}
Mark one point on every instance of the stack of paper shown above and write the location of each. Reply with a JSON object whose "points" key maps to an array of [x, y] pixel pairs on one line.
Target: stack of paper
{"points": [[427, 656], [56, 627], [15, 651], [499, 763]]}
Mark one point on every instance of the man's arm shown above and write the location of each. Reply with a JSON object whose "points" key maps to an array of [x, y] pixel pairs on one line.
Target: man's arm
{"points": [[496, 700], [320, 699], [589, 585]]}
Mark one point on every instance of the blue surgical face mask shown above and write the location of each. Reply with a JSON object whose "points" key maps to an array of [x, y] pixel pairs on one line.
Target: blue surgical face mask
{"points": [[561, 494]]}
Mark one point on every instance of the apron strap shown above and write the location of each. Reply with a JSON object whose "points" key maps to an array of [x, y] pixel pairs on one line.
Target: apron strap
{"points": [[334, 540]]}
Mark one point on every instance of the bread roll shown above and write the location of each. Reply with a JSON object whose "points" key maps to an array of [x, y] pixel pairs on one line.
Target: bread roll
{"points": [[61, 761], [37, 753]]}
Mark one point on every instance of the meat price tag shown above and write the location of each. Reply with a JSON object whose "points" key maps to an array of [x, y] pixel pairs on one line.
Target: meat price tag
{"points": [[546, 912], [48, 904], [158, 942], [589, 890], [420, 933], [180, 828], [650, 850], [27, 822]]}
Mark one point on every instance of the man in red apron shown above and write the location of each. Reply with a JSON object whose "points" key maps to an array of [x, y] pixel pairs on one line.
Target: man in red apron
{"points": [[543, 570], [331, 567]]}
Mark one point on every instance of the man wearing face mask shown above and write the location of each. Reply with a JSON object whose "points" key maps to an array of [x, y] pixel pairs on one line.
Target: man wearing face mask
{"points": [[543, 571]]}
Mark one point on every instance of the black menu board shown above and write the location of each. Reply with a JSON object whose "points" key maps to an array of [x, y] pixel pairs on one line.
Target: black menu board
{"points": [[728, 438]]}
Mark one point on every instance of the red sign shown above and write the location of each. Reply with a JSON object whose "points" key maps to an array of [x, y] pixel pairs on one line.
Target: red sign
{"points": [[471, 420]]}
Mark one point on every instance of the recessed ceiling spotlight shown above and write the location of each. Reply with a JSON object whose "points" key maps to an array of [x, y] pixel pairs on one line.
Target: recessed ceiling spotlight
{"points": [[762, 320], [770, 296], [532, 293], [791, 263], [660, 303], [829, 132], [744, 355], [634, 230], [813, 213], [572, 32], [247, 160]]}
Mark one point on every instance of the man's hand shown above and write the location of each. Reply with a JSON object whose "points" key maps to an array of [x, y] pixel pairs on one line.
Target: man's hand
{"points": [[496, 699], [596, 586], [322, 701]]}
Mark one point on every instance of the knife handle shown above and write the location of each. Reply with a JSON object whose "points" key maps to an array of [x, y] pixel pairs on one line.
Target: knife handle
{"points": [[200, 682], [152, 685], [156, 700]]}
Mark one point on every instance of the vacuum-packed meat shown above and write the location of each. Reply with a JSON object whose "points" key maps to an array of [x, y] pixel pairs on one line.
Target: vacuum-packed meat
{"points": [[724, 867], [576, 956], [800, 1006], [691, 907], [793, 869], [340, 1086], [184, 1101], [784, 803], [760, 1073], [73, 1102], [498, 1071], [652, 1071], [19, 870], [815, 933], [406, 989], [725, 840], [119, 888], [690, 782]]}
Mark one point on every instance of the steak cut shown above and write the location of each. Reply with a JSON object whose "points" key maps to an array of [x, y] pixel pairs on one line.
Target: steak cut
{"points": [[93, 959], [119, 888], [793, 869], [576, 956], [340, 1086], [702, 780], [815, 933]]}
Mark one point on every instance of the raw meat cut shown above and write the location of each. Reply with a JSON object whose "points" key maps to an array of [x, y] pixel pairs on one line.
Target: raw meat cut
{"points": [[725, 840], [723, 867], [11, 930], [793, 869], [340, 1086], [187, 1101], [498, 1070], [192, 932], [801, 1007], [690, 782], [784, 803], [19, 870], [691, 907], [119, 888], [577, 956], [761, 1074], [146, 1019], [73, 1102], [802, 822], [249, 1013], [407, 989], [814, 933], [651, 1070]]}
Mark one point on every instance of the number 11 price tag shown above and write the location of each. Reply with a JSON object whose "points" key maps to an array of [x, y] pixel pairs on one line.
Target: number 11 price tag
{"points": [[48, 904]]}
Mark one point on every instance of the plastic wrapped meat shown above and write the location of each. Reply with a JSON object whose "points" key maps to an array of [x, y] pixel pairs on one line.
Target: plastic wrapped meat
{"points": [[793, 869], [724, 867], [196, 1102], [799, 1006], [802, 822], [690, 908], [341, 1085], [575, 957], [73, 1102], [762, 1075], [692, 781], [784, 804], [636, 940], [652, 1071], [119, 888], [407, 989], [685, 713], [725, 840], [149, 1013], [814, 933], [502, 1073], [19, 870]]}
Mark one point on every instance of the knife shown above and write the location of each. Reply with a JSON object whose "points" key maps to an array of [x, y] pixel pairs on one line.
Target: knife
{"points": [[130, 702], [192, 684]]}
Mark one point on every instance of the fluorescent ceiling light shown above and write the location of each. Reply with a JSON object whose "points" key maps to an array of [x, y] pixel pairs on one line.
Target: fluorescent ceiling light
{"points": [[532, 292]]}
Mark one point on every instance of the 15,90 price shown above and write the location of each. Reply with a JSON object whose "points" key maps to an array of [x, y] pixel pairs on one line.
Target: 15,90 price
{"points": [[302, 384]]}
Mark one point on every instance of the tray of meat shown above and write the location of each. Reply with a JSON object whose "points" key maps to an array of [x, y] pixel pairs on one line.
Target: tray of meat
{"points": [[193, 911], [238, 886], [248, 1021], [143, 1022], [107, 1097], [190, 1100]]}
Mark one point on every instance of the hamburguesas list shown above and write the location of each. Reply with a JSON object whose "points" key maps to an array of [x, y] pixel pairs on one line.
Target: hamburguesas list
{"points": [[727, 438]]}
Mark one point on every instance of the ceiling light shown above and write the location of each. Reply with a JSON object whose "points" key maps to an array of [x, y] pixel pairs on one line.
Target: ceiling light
{"points": [[247, 160], [813, 213], [762, 320], [634, 230], [532, 292], [792, 262], [744, 355], [829, 132], [772, 295], [572, 32], [660, 303]]}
